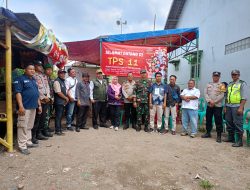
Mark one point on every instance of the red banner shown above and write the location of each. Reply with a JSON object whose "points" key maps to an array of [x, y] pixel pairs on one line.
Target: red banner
{"points": [[119, 59]]}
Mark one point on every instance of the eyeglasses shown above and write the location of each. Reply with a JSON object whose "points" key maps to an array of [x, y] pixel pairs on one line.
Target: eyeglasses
{"points": [[234, 74]]}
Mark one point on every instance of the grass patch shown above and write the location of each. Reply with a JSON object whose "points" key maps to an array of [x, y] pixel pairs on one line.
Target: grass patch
{"points": [[205, 184]]}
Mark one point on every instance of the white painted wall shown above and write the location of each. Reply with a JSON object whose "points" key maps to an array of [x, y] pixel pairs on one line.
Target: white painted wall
{"points": [[220, 22]]}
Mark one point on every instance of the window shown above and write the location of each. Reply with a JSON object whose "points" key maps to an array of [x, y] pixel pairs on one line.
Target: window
{"points": [[193, 68], [237, 46]]}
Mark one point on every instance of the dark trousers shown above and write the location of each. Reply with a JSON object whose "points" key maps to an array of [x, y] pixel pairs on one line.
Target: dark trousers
{"points": [[59, 109], [130, 113], [82, 114], [234, 121], [99, 110], [115, 112], [217, 113], [39, 124]]}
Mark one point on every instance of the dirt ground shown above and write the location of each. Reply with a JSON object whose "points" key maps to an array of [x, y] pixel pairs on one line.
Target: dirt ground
{"points": [[105, 159]]}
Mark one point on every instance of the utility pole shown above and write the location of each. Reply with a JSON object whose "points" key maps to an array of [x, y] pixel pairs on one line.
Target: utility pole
{"points": [[121, 22], [154, 21]]}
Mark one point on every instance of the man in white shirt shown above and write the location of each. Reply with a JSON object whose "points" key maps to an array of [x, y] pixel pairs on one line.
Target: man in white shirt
{"points": [[190, 102], [70, 83]]}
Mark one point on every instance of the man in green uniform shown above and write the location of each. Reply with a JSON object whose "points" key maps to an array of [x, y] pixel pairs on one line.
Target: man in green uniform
{"points": [[48, 71], [140, 101]]}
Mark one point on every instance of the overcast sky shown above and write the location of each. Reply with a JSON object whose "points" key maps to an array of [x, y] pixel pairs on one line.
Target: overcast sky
{"points": [[75, 20]]}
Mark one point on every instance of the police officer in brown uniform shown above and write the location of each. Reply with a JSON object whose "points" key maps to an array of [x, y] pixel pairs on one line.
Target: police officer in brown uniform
{"points": [[214, 94]]}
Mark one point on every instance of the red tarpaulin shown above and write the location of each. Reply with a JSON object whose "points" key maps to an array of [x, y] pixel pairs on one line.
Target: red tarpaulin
{"points": [[89, 50]]}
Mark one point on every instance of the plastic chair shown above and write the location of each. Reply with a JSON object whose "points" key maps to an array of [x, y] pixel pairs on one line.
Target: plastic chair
{"points": [[223, 121], [202, 110], [170, 122], [246, 126]]}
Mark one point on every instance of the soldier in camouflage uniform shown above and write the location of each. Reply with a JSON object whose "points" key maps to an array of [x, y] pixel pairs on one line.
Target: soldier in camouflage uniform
{"points": [[48, 70], [140, 101]]}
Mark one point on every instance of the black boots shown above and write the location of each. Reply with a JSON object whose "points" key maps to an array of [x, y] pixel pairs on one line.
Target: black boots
{"points": [[218, 139], [138, 128], [206, 135], [47, 134], [230, 138], [238, 141], [40, 136]]}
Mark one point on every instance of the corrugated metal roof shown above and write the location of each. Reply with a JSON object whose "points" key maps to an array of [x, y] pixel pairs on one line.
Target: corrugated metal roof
{"points": [[174, 14]]}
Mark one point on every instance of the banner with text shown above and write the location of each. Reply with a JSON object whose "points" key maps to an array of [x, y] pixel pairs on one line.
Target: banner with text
{"points": [[119, 59]]}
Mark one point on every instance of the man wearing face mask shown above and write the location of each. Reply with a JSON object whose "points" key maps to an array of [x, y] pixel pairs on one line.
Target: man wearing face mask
{"points": [[98, 97]]}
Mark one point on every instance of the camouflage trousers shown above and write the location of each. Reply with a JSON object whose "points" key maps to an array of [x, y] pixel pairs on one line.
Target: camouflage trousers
{"points": [[142, 114], [48, 116]]}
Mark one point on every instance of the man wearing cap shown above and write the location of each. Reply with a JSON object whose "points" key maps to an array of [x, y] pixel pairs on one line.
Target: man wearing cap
{"points": [[60, 100], [83, 102], [48, 70], [98, 97], [70, 83], [38, 131], [236, 97], [140, 100], [27, 97], [214, 94]]}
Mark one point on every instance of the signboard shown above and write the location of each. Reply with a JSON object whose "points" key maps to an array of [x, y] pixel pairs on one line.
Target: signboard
{"points": [[119, 59]]}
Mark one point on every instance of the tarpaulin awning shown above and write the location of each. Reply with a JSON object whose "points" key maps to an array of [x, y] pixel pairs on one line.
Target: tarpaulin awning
{"points": [[172, 39], [32, 34]]}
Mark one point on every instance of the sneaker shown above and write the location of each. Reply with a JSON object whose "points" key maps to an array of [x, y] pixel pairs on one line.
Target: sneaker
{"points": [[34, 140], [173, 133], [70, 129], [95, 126], [162, 131], [111, 127], [59, 133], [192, 135], [24, 151], [41, 137], [32, 145], [77, 129], [84, 127], [51, 130], [116, 128], [184, 134], [151, 130]]}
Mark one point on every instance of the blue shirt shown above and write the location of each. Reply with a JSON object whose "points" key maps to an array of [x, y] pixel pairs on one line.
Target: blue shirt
{"points": [[28, 89], [158, 91]]}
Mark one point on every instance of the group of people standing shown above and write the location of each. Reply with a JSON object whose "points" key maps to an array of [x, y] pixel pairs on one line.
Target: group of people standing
{"points": [[145, 103]]}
